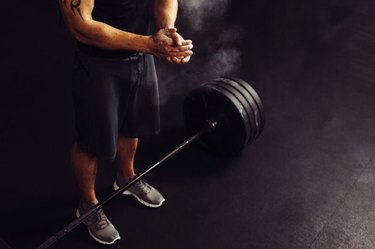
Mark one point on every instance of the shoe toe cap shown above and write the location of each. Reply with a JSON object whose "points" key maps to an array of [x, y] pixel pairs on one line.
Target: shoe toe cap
{"points": [[156, 197], [107, 235]]}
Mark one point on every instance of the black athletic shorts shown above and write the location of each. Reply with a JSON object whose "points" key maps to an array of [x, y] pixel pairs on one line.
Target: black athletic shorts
{"points": [[113, 97]]}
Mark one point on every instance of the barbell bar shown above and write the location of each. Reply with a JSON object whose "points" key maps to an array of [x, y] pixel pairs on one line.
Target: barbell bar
{"points": [[60, 234], [224, 114]]}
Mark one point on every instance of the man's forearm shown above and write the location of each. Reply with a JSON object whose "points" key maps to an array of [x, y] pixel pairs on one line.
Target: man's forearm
{"points": [[165, 12], [78, 18], [107, 37]]}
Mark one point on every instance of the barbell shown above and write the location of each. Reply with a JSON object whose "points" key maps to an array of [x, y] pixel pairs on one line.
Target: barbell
{"points": [[224, 115], [233, 105]]}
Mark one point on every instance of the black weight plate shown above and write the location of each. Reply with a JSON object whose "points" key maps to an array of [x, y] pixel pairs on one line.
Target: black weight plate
{"points": [[250, 122], [257, 103], [255, 97], [240, 110], [251, 102], [208, 103]]}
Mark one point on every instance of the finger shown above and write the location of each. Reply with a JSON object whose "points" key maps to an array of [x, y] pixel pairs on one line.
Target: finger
{"points": [[179, 48], [170, 49], [174, 60], [177, 60], [185, 48], [182, 60], [186, 42], [181, 54], [186, 59], [168, 32], [177, 39], [170, 59]]}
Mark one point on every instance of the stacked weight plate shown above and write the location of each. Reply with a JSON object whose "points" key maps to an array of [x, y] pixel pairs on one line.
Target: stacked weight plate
{"points": [[236, 108]]}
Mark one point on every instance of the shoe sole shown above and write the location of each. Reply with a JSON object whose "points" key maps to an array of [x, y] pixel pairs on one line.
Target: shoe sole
{"points": [[95, 238], [126, 192]]}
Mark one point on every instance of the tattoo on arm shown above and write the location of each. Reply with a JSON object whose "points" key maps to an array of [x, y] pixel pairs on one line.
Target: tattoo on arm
{"points": [[74, 6]]}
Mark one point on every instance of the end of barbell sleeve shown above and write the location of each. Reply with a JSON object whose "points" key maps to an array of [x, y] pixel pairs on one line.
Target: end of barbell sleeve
{"points": [[210, 125]]}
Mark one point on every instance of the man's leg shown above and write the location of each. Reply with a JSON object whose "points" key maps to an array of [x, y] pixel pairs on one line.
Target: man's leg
{"points": [[142, 191], [126, 149], [84, 170], [84, 167]]}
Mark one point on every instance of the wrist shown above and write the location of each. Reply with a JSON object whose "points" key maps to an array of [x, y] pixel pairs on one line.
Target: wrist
{"points": [[148, 45], [166, 25]]}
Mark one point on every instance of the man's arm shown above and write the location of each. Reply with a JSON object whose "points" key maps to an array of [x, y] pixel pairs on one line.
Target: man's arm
{"points": [[78, 18], [165, 13]]}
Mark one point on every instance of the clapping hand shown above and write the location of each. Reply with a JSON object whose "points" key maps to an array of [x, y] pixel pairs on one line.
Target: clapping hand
{"points": [[171, 46]]}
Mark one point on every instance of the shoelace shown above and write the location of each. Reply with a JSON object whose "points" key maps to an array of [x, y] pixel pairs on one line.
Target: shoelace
{"points": [[102, 221], [143, 186]]}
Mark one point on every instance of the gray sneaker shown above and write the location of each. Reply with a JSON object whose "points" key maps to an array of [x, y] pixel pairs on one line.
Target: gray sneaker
{"points": [[100, 228], [142, 191]]}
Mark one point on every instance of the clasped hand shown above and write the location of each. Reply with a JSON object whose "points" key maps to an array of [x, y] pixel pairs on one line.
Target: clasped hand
{"points": [[171, 46]]}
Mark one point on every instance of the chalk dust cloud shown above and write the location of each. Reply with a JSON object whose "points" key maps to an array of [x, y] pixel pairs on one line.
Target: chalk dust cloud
{"points": [[216, 44]]}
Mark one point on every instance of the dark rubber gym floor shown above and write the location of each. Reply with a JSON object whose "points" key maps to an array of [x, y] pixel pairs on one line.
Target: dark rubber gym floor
{"points": [[307, 182]]}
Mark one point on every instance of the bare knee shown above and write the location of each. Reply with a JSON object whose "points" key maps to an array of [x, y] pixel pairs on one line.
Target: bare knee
{"points": [[107, 154], [80, 154]]}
